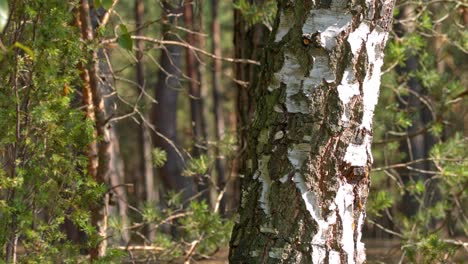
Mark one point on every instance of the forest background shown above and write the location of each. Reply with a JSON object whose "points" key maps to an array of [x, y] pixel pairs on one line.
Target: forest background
{"points": [[160, 92]]}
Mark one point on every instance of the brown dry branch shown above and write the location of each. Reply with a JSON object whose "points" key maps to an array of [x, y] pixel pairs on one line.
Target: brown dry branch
{"points": [[178, 43]]}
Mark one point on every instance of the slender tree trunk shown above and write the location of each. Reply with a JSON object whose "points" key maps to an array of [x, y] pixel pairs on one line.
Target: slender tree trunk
{"points": [[151, 192], [87, 97], [146, 164], [196, 108], [192, 65], [308, 155], [116, 176], [165, 111], [117, 181], [219, 126], [100, 212]]}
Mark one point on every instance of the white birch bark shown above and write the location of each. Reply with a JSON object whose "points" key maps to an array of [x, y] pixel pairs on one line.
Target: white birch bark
{"points": [[309, 155]]}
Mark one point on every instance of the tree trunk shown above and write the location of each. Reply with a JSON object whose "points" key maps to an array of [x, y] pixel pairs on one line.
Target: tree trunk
{"points": [[100, 210], [196, 108], [308, 156], [146, 161], [117, 181], [165, 111], [249, 42], [216, 91], [116, 177], [192, 65]]}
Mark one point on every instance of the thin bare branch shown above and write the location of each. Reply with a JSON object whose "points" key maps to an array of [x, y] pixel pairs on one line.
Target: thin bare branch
{"points": [[177, 43]]}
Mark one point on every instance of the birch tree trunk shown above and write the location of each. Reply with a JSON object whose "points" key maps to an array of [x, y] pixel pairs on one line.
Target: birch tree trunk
{"points": [[305, 175]]}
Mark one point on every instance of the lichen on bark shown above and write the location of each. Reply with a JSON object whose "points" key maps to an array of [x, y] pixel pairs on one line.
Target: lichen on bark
{"points": [[309, 144]]}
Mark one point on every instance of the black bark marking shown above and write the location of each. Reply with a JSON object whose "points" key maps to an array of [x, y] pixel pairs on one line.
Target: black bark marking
{"points": [[361, 65]]}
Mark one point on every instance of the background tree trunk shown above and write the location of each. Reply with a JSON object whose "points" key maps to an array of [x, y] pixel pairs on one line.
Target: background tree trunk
{"points": [[151, 192], [308, 153], [219, 125], [192, 65], [165, 111]]}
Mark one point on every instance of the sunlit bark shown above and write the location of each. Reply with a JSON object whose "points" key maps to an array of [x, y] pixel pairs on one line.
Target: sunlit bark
{"points": [[308, 154], [100, 212]]}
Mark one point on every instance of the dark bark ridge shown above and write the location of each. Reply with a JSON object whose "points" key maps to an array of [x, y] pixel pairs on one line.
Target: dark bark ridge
{"points": [[305, 175]]}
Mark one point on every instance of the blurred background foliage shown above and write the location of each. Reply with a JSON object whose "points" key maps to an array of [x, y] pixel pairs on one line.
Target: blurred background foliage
{"points": [[418, 191]]}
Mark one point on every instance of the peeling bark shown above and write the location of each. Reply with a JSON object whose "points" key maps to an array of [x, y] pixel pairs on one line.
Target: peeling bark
{"points": [[308, 154]]}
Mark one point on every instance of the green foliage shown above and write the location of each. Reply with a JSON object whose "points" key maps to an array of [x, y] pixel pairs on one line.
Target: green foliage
{"points": [[257, 13], [195, 224], [197, 166], [423, 101], [428, 249], [379, 201], [227, 146], [124, 38], [451, 158], [112, 256], [159, 157], [44, 136], [206, 226]]}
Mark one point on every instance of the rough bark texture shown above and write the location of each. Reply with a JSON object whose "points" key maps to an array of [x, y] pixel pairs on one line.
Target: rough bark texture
{"points": [[308, 156], [249, 42]]}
